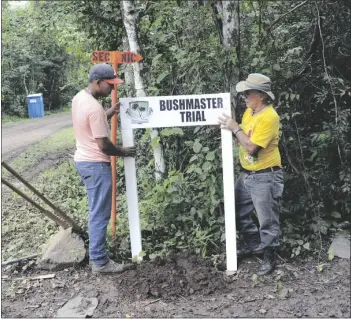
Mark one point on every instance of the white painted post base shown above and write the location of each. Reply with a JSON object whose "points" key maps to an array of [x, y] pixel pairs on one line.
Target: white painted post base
{"points": [[229, 199], [132, 196]]}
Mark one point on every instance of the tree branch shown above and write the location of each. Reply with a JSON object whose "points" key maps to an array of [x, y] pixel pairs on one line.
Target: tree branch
{"points": [[297, 172], [328, 77], [347, 3], [13, 261], [315, 40], [285, 14], [216, 13], [312, 50]]}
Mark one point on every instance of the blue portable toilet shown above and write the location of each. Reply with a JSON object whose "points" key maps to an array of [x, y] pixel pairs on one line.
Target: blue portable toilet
{"points": [[35, 105]]}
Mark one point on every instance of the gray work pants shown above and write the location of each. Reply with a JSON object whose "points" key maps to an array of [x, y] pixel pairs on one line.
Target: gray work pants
{"points": [[262, 192]]}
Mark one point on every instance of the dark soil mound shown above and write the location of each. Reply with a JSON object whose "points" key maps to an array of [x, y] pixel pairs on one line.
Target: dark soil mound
{"points": [[182, 275]]}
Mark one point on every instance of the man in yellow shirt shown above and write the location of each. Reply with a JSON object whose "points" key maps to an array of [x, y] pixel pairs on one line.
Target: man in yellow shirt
{"points": [[260, 185]]}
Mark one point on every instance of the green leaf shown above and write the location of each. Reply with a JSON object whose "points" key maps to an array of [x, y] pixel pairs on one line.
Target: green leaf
{"points": [[200, 213], [135, 259], [276, 67], [197, 129], [193, 158], [155, 59], [335, 214], [254, 62], [190, 170], [198, 170], [192, 211], [153, 89], [161, 76], [177, 131], [197, 147], [320, 267], [172, 131], [206, 166], [330, 254], [155, 141], [266, 71], [210, 156], [306, 246], [313, 156], [152, 256], [300, 242]]}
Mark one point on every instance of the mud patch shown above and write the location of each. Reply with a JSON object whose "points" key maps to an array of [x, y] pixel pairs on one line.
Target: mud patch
{"points": [[50, 161], [46, 162], [183, 275]]}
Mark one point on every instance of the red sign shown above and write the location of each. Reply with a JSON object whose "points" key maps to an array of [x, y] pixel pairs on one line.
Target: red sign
{"points": [[115, 57]]}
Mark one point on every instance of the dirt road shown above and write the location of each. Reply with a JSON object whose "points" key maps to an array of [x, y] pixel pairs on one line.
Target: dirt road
{"points": [[17, 136]]}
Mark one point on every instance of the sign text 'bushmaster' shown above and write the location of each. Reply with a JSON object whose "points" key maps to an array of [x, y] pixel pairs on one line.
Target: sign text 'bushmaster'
{"points": [[190, 109]]}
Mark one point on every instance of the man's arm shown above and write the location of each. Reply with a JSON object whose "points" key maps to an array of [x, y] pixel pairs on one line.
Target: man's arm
{"points": [[245, 142], [107, 147], [230, 124]]}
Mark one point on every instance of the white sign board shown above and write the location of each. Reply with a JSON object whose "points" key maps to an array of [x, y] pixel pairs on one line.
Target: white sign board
{"points": [[171, 111], [167, 111]]}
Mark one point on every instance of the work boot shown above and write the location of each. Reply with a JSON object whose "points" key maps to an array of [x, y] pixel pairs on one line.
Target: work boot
{"points": [[245, 250], [268, 263], [251, 245], [110, 268]]}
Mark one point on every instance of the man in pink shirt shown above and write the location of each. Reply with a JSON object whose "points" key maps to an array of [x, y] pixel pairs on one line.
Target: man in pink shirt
{"points": [[92, 160]]}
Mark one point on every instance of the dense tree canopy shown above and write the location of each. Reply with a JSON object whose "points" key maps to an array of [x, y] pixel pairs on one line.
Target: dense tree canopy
{"points": [[42, 52]]}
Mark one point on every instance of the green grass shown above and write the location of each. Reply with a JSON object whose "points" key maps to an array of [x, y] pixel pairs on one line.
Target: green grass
{"points": [[12, 119], [15, 119], [64, 110], [57, 142]]}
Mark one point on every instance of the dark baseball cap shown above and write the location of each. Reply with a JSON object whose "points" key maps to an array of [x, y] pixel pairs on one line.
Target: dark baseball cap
{"points": [[104, 72]]}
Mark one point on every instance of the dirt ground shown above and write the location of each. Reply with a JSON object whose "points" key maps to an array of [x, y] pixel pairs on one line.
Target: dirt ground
{"points": [[181, 286], [17, 136], [184, 286]]}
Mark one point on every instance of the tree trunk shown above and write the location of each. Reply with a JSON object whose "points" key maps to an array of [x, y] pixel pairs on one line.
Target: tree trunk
{"points": [[25, 85], [130, 17], [231, 42], [128, 70]]}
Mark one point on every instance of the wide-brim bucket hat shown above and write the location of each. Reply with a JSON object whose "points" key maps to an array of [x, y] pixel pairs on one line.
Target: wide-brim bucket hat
{"points": [[256, 81]]}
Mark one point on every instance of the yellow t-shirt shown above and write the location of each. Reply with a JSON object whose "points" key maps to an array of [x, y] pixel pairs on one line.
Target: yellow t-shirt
{"points": [[262, 129]]}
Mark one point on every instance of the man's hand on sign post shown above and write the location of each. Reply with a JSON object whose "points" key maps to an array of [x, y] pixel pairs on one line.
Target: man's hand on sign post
{"points": [[113, 110], [228, 123], [116, 108], [129, 151]]}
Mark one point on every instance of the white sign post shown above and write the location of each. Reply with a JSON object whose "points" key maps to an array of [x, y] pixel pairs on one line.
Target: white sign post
{"points": [[173, 111]]}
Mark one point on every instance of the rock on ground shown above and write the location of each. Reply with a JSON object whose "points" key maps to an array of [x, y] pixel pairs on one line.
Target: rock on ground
{"points": [[78, 307], [63, 250], [341, 246]]}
